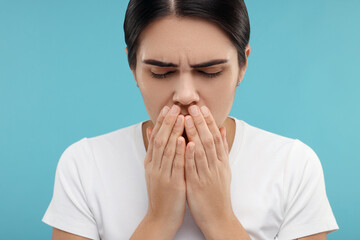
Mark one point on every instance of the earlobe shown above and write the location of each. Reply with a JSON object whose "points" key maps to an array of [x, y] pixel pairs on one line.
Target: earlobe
{"points": [[247, 51], [126, 50], [244, 67]]}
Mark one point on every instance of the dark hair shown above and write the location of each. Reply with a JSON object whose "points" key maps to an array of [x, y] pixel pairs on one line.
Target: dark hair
{"points": [[230, 15]]}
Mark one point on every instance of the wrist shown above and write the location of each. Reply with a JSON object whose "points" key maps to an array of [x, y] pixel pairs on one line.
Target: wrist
{"points": [[226, 228], [153, 228], [162, 226]]}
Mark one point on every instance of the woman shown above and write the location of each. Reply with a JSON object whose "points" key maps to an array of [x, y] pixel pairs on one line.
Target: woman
{"points": [[191, 171]]}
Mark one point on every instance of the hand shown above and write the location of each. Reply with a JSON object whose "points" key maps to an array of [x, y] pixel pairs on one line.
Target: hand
{"points": [[164, 170], [207, 170]]}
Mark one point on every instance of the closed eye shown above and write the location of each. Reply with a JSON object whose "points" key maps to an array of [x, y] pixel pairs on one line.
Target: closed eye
{"points": [[164, 75], [210, 75]]}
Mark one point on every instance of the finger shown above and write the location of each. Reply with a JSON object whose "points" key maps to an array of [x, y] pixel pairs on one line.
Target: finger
{"points": [[169, 151], [226, 145], [149, 149], [216, 135], [162, 136], [200, 155], [148, 133], [205, 136], [178, 170], [191, 173], [153, 132]]}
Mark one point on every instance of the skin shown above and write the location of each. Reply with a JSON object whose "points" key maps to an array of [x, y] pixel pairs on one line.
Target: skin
{"points": [[187, 151], [187, 86], [181, 86]]}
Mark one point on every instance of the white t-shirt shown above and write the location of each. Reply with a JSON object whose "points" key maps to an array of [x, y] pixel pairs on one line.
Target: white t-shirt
{"points": [[277, 188]]}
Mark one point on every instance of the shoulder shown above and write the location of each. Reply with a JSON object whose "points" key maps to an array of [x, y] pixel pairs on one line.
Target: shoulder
{"points": [[272, 147], [122, 134], [257, 134], [83, 151], [296, 159], [262, 141]]}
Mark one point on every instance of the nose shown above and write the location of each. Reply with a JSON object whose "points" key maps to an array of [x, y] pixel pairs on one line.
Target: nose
{"points": [[185, 91]]}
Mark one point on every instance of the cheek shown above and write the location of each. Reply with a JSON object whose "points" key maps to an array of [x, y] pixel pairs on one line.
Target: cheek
{"points": [[155, 97], [219, 98]]}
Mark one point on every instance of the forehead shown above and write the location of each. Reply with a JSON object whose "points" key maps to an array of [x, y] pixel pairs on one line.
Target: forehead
{"points": [[195, 38]]}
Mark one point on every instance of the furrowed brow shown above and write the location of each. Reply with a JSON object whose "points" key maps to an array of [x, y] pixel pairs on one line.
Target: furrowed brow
{"points": [[200, 65], [209, 63], [159, 63]]}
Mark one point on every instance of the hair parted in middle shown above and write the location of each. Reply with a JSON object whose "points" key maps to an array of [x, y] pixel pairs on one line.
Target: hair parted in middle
{"points": [[230, 15]]}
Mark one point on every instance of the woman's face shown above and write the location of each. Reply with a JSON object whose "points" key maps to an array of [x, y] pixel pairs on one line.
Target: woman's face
{"points": [[187, 61]]}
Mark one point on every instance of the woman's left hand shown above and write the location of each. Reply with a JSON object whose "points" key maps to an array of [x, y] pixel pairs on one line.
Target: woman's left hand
{"points": [[207, 170]]}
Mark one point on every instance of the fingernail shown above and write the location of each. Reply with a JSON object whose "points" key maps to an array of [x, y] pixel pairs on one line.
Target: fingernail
{"points": [[194, 110], [174, 109], [165, 110], [205, 111], [189, 122]]}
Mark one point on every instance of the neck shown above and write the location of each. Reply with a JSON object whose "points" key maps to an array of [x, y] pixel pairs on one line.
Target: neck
{"points": [[229, 124]]}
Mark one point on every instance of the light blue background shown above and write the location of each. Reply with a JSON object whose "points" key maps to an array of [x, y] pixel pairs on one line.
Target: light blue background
{"points": [[64, 76]]}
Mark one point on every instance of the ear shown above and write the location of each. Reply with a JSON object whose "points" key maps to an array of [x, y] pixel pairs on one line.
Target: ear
{"points": [[247, 51], [244, 67], [132, 70]]}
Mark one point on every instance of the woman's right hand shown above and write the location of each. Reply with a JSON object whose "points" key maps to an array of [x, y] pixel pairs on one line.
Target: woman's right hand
{"points": [[164, 170]]}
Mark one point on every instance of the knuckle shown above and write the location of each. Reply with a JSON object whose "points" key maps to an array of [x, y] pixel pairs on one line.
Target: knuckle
{"points": [[159, 121], [198, 121], [163, 178], [217, 139], [167, 121], [191, 133], [189, 167], [147, 160], [209, 143], [147, 167], [178, 129], [208, 120], [178, 164], [152, 138], [200, 154], [168, 152], [158, 142], [149, 172], [173, 134], [188, 155]]}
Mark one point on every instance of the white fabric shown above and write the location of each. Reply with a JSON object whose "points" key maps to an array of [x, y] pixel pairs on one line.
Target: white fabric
{"points": [[277, 187]]}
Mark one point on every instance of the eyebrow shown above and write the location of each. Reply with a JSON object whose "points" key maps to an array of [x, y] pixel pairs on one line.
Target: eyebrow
{"points": [[200, 65]]}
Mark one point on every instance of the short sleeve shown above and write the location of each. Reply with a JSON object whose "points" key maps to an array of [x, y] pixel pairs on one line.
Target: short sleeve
{"points": [[306, 207], [69, 209]]}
